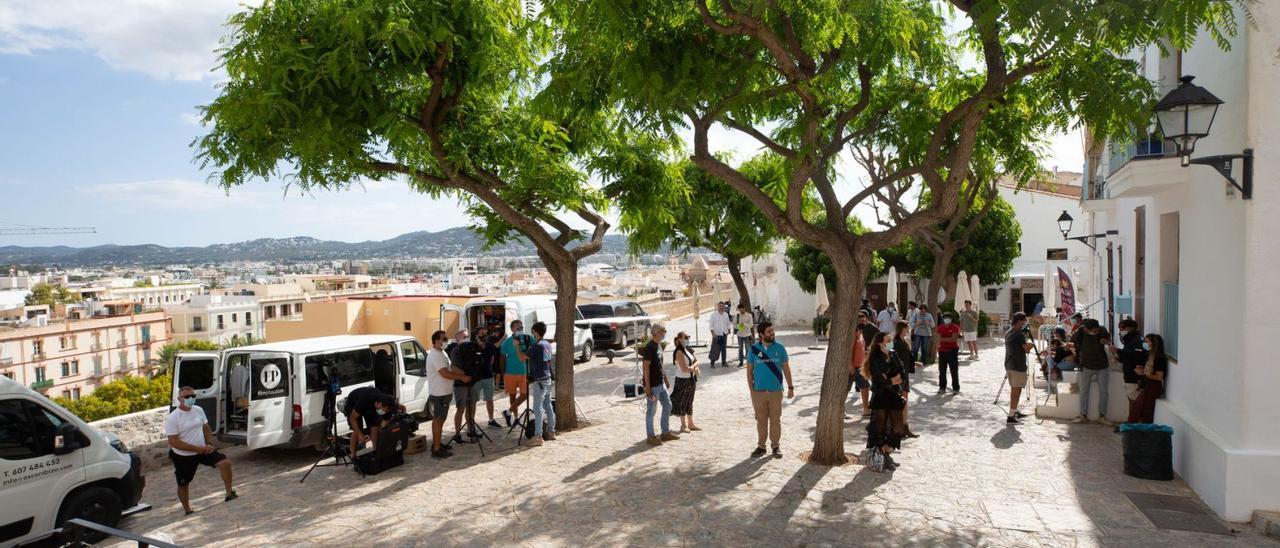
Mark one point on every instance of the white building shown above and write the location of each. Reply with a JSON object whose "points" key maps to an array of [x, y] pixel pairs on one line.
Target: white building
{"points": [[217, 318], [1193, 258]]}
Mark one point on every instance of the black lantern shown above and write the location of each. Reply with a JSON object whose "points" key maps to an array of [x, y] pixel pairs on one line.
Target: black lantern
{"points": [[1064, 225], [1185, 115]]}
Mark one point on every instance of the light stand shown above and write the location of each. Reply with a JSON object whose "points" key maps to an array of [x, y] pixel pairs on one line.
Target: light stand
{"points": [[468, 413], [336, 448]]}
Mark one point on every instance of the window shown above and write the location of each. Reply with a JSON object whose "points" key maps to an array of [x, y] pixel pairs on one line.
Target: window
{"points": [[233, 317], [146, 334], [270, 312], [70, 368], [197, 323], [351, 367], [37, 347], [26, 430], [993, 293], [1059, 254], [297, 308], [124, 361], [248, 319], [196, 373], [97, 366], [415, 360], [221, 324], [284, 310], [408, 326], [40, 374], [67, 342], [75, 394]]}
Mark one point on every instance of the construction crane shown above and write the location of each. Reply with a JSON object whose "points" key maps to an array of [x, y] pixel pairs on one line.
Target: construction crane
{"points": [[44, 230]]}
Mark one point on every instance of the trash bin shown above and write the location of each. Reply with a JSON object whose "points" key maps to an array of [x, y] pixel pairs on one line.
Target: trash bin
{"points": [[1148, 451]]}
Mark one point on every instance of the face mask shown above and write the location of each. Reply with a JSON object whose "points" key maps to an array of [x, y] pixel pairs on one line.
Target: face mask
{"points": [[382, 412], [1146, 346], [946, 320], [518, 330], [189, 401]]}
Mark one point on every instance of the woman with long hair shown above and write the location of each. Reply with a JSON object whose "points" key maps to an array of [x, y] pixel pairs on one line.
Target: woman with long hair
{"points": [[884, 433], [901, 347], [1150, 379], [686, 383]]}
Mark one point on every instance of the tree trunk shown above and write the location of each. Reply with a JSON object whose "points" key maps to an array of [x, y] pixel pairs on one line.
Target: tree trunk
{"points": [[735, 272], [828, 443], [565, 274], [937, 279]]}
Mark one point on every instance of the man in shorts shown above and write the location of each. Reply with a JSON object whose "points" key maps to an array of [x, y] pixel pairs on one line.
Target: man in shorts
{"points": [[191, 444], [488, 369], [440, 377], [969, 328], [1016, 346], [515, 378]]}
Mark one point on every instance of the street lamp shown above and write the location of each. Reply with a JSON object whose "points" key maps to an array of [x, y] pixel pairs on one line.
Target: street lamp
{"points": [[1184, 116], [1064, 225]]}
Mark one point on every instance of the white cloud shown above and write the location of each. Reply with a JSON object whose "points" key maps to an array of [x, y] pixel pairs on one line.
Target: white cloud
{"points": [[170, 195], [191, 118], [165, 39]]}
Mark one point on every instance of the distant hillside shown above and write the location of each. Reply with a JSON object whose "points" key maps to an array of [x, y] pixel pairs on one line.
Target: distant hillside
{"points": [[454, 242]]}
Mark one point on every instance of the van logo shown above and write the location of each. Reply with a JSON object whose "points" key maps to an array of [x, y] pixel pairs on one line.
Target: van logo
{"points": [[270, 376]]}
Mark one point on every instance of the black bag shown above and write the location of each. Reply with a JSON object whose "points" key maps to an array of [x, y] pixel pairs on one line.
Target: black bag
{"points": [[1148, 455], [370, 464]]}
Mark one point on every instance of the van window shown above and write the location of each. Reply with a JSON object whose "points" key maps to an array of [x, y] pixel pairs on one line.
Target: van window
{"points": [[415, 360], [26, 430], [196, 373], [352, 367]]}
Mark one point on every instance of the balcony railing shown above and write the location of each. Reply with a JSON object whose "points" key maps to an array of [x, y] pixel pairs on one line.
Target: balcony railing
{"points": [[41, 385], [37, 356], [95, 347], [6, 360], [1147, 149], [122, 343]]}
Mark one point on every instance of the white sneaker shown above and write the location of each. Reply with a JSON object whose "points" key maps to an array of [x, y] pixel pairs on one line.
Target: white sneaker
{"points": [[1103, 421], [1081, 419]]}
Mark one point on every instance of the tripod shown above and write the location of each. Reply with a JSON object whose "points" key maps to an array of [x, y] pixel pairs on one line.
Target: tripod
{"points": [[336, 448], [521, 421], [469, 415]]}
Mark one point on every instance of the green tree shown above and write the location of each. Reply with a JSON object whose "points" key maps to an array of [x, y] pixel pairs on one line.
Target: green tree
{"points": [[708, 214], [168, 352], [120, 397], [51, 294], [143, 283], [447, 96], [807, 262], [806, 79]]}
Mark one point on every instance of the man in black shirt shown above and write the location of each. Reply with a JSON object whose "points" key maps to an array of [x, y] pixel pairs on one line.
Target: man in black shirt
{"points": [[368, 405], [655, 387], [1016, 347], [466, 356], [1091, 342], [866, 328]]}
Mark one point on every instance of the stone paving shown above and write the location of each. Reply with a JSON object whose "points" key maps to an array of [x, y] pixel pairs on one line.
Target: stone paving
{"points": [[969, 480]]}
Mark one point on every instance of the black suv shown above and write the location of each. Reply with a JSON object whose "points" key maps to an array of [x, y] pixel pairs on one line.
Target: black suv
{"points": [[619, 333]]}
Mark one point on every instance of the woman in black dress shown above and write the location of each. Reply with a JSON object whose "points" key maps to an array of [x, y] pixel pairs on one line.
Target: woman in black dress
{"points": [[686, 383], [1151, 381], [902, 351], [886, 375]]}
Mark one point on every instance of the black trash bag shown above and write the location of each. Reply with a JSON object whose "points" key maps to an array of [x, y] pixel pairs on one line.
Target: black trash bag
{"points": [[1148, 455]]}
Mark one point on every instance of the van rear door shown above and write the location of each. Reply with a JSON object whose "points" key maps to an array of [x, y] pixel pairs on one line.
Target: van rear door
{"points": [[203, 372], [270, 413], [447, 310]]}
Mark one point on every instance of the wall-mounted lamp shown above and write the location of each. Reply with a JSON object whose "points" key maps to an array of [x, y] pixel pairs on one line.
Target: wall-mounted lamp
{"points": [[1184, 116]]}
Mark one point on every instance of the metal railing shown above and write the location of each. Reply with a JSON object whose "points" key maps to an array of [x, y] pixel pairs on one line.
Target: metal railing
{"points": [[41, 385], [1169, 319], [1150, 148], [77, 530]]}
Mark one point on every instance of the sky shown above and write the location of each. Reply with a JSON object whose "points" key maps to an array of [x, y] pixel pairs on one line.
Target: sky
{"points": [[98, 110]]}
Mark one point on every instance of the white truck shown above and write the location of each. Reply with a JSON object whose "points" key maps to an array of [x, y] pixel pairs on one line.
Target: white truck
{"points": [[272, 394], [497, 313], [55, 467]]}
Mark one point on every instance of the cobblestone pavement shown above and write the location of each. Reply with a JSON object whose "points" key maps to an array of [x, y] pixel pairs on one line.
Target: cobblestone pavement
{"points": [[969, 480]]}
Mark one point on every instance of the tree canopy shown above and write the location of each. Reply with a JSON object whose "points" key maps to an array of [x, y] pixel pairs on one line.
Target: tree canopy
{"points": [[51, 294]]}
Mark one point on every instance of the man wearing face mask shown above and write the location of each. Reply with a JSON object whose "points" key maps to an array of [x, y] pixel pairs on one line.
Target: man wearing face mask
{"points": [[369, 406], [191, 445], [948, 354]]}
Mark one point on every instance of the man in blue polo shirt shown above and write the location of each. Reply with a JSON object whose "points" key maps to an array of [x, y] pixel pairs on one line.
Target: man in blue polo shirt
{"points": [[769, 366]]}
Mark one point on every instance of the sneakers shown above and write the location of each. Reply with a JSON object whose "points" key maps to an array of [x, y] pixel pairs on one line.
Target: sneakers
{"points": [[1012, 419], [759, 452], [942, 391], [668, 436], [457, 439], [231, 496], [494, 423], [777, 452], [907, 433], [654, 441], [1021, 415], [1103, 421], [549, 436], [506, 416], [440, 454], [535, 441], [1081, 419]]}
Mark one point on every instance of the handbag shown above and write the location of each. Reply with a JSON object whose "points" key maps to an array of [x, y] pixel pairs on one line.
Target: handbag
{"points": [[876, 460]]}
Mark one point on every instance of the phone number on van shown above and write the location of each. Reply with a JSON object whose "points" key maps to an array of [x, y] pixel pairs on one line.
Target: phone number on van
{"points": [[22, 473]]}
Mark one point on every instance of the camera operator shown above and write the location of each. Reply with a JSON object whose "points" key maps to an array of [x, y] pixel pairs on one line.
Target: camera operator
{"points": [[370, 406], [1016, 345]]}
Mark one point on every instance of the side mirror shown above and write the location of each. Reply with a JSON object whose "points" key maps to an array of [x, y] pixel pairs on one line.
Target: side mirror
{"points": [[66, 439]]}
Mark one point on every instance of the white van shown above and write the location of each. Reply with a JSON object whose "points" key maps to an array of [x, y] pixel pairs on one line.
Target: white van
{"points": [[497, 313], [54, 467], [272, 395]]}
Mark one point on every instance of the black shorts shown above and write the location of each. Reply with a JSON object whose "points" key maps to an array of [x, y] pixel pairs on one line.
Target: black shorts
{"points": [[184, 466]]}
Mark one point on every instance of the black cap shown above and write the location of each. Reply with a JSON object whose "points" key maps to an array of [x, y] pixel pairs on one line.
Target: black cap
{"points": [[1018, 317], [1092, 323]]}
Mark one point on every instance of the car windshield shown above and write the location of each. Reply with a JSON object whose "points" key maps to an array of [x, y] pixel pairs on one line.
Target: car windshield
{"points": [[596, 310]]}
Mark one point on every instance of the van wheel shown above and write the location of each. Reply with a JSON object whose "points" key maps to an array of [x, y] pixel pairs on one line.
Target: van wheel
{"points": [[97, 504], [586, 351]]}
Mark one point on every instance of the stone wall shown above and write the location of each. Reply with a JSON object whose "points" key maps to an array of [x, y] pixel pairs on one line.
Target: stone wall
{"points": [[142, 433]]}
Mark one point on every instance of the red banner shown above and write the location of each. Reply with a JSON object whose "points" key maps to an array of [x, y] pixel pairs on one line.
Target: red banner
{"points": [[1067, 294]]}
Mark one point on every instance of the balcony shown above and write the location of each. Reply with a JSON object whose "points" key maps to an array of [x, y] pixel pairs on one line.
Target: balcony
{"points": [[1142, 168], [1150, 148], [6, 360], [95, 347], [41, 385], [122, 343], [38, 356]]}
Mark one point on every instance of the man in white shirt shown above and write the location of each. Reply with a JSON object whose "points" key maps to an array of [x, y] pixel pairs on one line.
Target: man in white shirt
{"points": [[888, 319], [746, 327], [191, 444], [440, 377], [720, 326]]}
